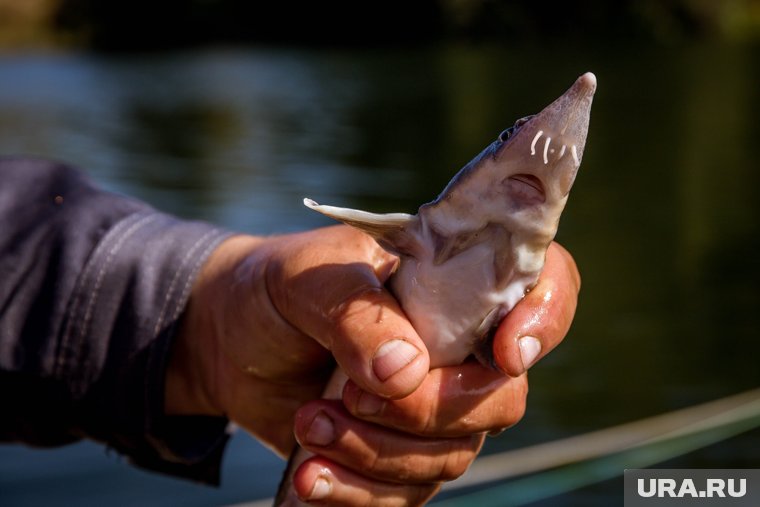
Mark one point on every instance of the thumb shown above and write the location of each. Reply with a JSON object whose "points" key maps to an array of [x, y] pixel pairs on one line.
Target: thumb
{"points": [[350, 313], [542, 319]]}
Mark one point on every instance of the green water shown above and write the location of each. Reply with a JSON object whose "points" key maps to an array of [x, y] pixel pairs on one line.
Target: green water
{"points": [[664, 220]]}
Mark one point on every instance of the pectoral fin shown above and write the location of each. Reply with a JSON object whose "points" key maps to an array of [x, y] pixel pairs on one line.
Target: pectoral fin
{"points": [[395, 232]]}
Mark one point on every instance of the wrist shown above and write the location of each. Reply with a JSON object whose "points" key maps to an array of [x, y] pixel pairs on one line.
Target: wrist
{"points": [[196, 361]]}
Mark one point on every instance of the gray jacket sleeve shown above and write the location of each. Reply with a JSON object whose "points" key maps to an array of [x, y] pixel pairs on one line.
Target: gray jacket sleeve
{"points": [[92, 288]]}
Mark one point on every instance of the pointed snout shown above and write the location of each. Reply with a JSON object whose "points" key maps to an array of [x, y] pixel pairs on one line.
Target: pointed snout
{"points": [[586, 84], [568, 115], [558, 133]]}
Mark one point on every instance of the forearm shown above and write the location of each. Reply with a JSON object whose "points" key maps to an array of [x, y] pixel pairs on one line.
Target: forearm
{"points": [[93, 289]]}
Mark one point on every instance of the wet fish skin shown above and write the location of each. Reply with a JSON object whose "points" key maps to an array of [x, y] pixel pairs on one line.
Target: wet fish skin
{"points": [[470, 255]]}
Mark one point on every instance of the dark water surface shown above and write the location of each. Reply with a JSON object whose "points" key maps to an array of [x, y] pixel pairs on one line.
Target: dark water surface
{"points": [[664, 220]]}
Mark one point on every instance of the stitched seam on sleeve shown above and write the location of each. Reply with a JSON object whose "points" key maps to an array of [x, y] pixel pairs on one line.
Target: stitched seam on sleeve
{"points": [[66, 349], [188, 283], [170, 292], [106, 264]]}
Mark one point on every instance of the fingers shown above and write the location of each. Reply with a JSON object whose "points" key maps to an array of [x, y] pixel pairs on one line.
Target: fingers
{"points": [[542, 319], [322, 482], [352, 314], [326, 428], [461, 400], [451, 402]]}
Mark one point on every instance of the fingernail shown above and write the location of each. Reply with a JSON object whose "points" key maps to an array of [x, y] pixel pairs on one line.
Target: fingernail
{"points": [[391, 357], [322, 430], [321, 489], [369, 404], [530, 348]]}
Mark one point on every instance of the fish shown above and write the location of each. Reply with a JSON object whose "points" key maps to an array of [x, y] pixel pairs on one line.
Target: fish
{"points": [[469, 256]]}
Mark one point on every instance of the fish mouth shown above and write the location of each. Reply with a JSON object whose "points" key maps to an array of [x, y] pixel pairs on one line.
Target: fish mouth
{"points": [[526, 188]]}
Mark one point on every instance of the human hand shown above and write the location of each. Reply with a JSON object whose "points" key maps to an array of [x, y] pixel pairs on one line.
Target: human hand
{"points": [[267, 316]]}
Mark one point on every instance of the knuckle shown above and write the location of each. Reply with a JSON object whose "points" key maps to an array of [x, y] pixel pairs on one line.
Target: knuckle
{"points": [[347, 302]]}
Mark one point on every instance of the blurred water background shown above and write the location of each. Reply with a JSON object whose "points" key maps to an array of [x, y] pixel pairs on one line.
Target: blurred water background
{"points": [[664, 220]]}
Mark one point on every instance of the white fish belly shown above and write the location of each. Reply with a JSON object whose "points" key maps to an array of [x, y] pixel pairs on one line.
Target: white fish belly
{"points": [[447, 303]]}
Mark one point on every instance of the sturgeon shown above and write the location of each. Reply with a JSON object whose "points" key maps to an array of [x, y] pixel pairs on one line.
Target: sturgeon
{"points": [[468, 257]]}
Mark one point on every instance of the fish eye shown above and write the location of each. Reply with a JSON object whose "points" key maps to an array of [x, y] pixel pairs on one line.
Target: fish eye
{"points": [[506, 134]]}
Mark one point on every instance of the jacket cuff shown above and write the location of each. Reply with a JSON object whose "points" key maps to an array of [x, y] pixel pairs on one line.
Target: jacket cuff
{"points": [[131, 296]]}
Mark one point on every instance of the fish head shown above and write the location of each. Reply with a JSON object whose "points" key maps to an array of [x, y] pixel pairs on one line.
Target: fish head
{"points": [[522, 179], [543, 152], [537, 159], [518, 184]]}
